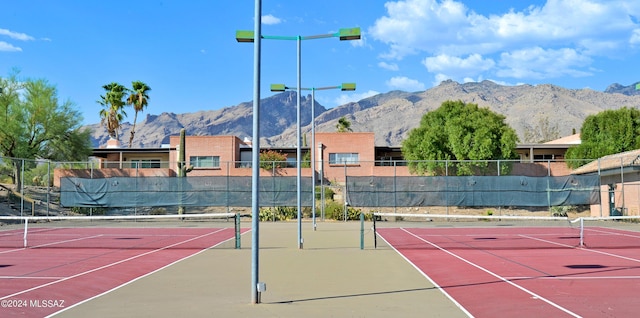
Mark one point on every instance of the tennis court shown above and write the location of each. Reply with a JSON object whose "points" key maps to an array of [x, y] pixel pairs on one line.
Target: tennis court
{"points": [[509, 269], [433, 269], [54, 264]]}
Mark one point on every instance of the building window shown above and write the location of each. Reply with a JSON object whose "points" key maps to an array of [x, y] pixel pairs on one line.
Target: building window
{"points": [[145, 163], [343, 158], [292, 162], [205, 161], [543, 157]]}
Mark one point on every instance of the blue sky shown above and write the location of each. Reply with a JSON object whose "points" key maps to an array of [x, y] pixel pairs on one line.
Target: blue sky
{"points": [[187, 53]]}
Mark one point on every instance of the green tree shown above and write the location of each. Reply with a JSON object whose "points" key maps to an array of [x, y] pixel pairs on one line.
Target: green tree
{"points": [[138, 98], [459, 131], [343, 125], [113, 112], [606, 133], [37, 126]]}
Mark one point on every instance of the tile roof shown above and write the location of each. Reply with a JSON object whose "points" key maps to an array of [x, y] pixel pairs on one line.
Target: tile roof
{"points": [[623, 159], [567, 140]]}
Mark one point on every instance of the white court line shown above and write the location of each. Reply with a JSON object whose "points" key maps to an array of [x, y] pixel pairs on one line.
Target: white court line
{"points": [[88, 237], [429, 279], [572, 277], [143, 276], [584, 249], [31, 277], [492, 235], [106, 266], [619, 232], [495, 275], [49, 244]]}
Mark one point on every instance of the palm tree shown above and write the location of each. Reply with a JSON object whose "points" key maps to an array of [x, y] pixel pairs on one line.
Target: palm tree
{"points": [[139, 100], [343, 125], [113, 107]]}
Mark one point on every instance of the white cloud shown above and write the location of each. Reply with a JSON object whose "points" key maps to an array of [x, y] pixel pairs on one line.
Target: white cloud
{"points": [[503, 83], [539, 63], [270, 19], [564, 20], [405, 84], [16, 35], [439, 78], [473, 64], [415, 25], [358, 43], [462, 43], [473, 80], [354, 97], [6, 47], [635, 37], [430, 26], [388, 66]]}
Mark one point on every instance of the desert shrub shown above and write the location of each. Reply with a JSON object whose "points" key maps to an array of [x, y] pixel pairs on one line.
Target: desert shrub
{"points": [[38, 176], [88, 211], [267, 214], [353, 213], [335, 211], [328, 193], [279, 213], [158, 211], [562, 211]]}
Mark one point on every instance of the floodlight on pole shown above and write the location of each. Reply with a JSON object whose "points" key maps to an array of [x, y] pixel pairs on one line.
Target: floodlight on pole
{"points": [[349, 34], [282, 88], [245, 36], [344, 35]]}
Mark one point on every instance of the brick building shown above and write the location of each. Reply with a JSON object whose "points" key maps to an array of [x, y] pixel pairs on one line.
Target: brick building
{"points": [[337, 154]]}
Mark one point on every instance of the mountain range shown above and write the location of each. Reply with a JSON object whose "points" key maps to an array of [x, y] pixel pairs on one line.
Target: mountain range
{"points": [[391, 115]]}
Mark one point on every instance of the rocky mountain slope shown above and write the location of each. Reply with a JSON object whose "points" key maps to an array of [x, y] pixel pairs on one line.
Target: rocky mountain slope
{"points": [[390, 115]]}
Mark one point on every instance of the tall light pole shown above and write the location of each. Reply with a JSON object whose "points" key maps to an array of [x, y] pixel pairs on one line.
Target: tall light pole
{"points": [[344, 35], [282, 88], [255, 156]]}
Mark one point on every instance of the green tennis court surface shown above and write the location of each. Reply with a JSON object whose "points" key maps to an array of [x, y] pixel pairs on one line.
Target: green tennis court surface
{"points": [[330, 277]]}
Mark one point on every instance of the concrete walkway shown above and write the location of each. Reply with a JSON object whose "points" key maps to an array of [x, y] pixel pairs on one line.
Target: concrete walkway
{"points": [[330, 277]]}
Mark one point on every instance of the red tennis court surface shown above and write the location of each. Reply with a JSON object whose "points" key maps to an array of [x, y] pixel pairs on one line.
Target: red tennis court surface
{"points": [[527, 272], [66, 266]]}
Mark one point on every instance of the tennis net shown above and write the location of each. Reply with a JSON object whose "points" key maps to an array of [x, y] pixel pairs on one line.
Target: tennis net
{"points": [[172, 231], [516, 232]]}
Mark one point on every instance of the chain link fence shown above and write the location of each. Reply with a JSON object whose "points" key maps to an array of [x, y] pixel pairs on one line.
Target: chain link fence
{"points": [[33, 187]]}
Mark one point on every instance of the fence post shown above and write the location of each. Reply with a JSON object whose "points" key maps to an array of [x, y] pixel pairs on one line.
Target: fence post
{"points": [[361, 230], [375, 238], [622, 186], [395, 187], [21, 187], [237, 226], [446, 174], [344, 192], [48, 183]]}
